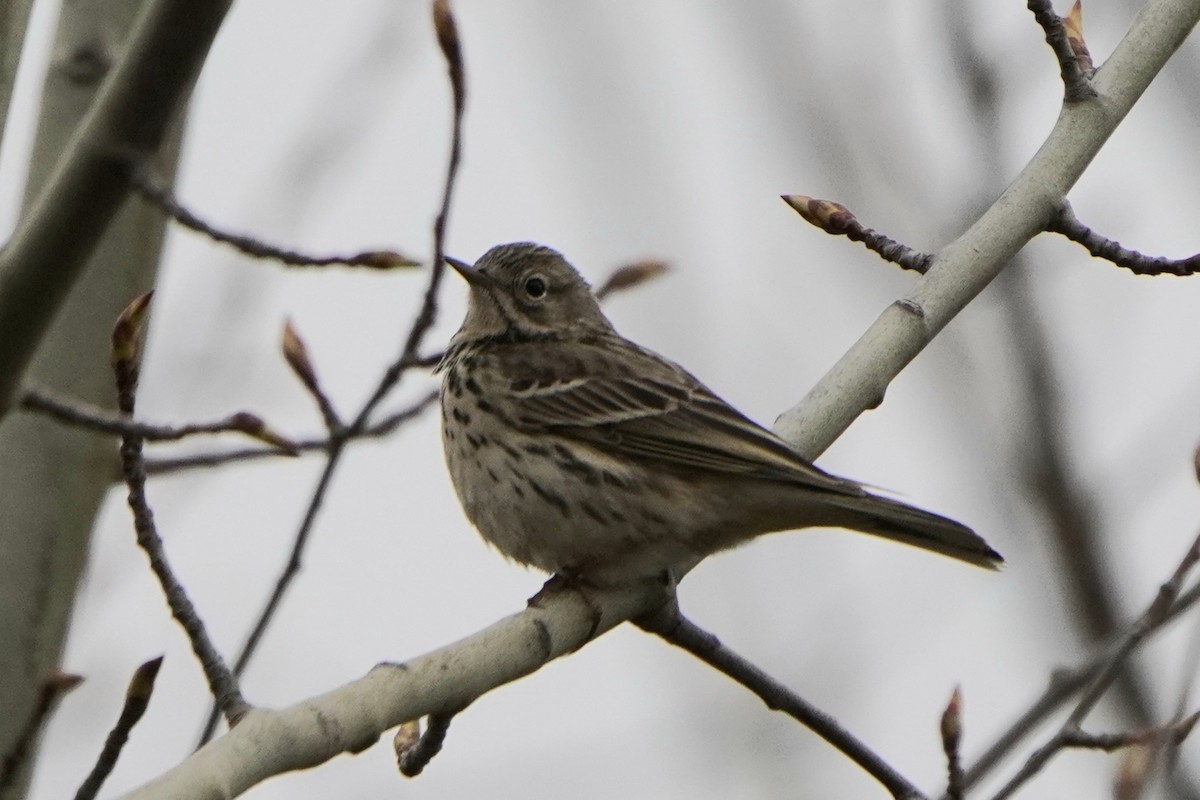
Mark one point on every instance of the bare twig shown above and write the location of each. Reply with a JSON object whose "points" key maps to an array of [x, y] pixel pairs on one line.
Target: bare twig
{"points": [[669, 624], [159, 194], [1047, 470], [85, 415], [376, 430], [414, 752], [1171, 734], [126, 360], [447, 35], [13, 761], [1064, 684], [1076, 84], [282, 583], [296, 355], [448, 40], [137, 698], [1071, 734], [951, 730], [837, 220], [1067, 224]]}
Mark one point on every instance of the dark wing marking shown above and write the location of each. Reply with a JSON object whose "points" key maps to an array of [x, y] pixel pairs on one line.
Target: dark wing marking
{"points": [[632, 403]]}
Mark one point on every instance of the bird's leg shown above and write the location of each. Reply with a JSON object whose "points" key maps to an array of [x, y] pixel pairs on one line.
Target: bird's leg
{"points": [[570, 581]]}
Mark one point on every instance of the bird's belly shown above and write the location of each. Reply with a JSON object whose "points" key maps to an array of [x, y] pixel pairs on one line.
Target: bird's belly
{"points": [[565, 507]]}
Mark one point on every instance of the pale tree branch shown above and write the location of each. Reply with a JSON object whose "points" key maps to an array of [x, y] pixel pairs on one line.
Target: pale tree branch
{"points": [[968, 264], [351, 718]]}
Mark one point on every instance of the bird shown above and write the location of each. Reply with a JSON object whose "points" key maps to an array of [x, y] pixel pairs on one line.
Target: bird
{"points": [[578, 452]]}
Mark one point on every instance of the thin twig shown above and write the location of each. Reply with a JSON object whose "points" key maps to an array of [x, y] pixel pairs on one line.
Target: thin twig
{"points": [[837, 220], [447, 34], [1171, 734], [137, 699], [448, 40], [126, 361], [1064, 685], [414, 754], [384, 427], [296, 355], [13, 761], [951, 730], [1076, 85], [282, 583], [84, 415], [669, 624], [159, 195], [1070, 733], [1067, 224]]}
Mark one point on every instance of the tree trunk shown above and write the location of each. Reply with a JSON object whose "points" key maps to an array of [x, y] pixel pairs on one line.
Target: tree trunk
{"points": [[53, 479]]}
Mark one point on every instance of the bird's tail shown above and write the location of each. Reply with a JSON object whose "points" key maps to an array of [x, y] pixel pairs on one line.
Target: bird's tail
{"points": [[901, 522]]}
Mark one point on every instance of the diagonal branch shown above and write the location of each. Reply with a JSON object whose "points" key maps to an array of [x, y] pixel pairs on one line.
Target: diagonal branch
{"points": [[669, 624], [968, 264], [349, 719], [126, 362]]}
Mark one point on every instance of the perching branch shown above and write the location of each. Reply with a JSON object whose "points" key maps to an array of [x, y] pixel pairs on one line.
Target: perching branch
{"points": [[349, 719]]}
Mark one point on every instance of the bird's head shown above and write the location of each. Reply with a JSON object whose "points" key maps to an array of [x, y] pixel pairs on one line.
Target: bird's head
{"points": [[525, 289]]}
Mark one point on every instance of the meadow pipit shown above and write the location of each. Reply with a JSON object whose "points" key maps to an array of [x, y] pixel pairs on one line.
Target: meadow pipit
{"points": [[576, 451]]}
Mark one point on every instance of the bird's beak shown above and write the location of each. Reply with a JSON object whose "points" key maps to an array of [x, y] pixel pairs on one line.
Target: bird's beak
{"points": [[469, 273]]}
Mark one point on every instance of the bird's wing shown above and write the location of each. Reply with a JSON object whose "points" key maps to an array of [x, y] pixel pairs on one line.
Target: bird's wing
{"points": [[632, 403]]}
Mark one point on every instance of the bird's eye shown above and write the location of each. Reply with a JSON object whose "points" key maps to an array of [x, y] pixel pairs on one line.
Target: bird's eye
{"points": [[535, 287]]}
